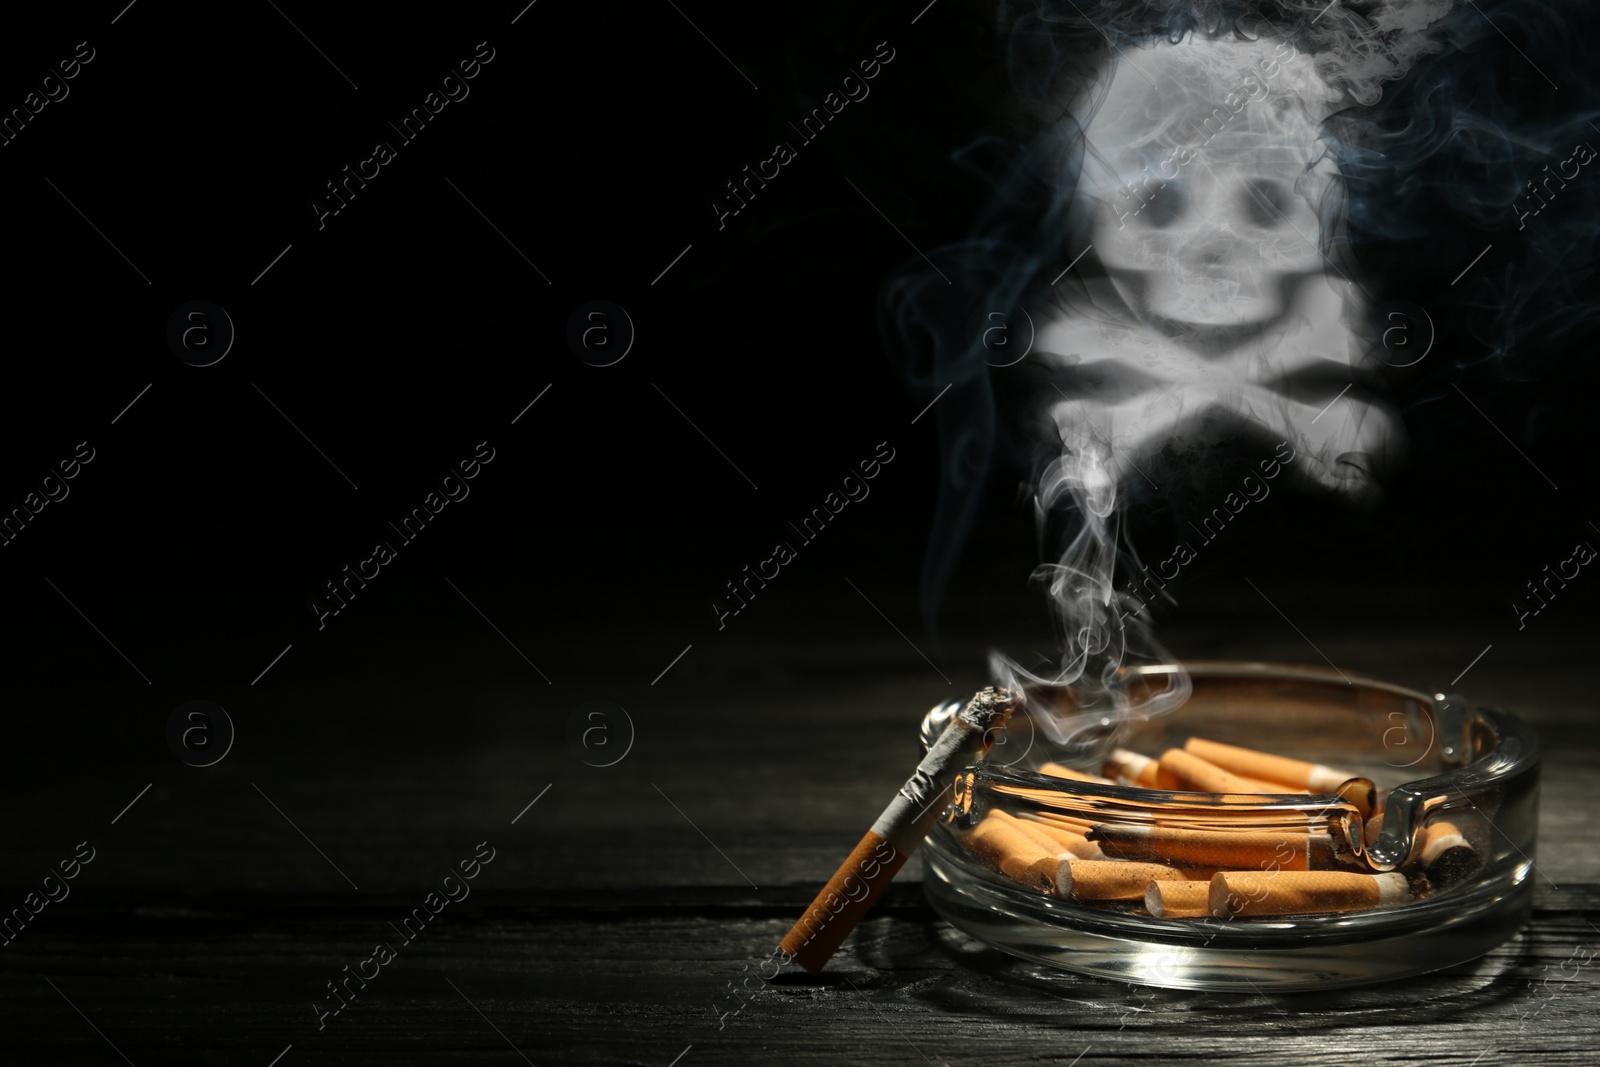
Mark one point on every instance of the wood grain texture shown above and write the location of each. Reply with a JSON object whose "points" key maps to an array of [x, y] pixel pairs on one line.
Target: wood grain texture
{"points": [[601, 978], [624, 910]]}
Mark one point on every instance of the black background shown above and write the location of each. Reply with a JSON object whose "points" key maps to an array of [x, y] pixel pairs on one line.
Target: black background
{"points": [[408, 330]]}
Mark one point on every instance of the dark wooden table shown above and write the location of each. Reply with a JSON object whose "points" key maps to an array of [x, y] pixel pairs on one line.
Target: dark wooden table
{"points": [[621, 906]]}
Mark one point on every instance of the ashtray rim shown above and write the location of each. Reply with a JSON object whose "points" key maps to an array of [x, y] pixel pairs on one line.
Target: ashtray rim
{"points": [[1515, 751]]}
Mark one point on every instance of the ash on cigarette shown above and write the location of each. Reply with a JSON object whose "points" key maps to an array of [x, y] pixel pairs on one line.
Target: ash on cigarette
{"points": [[990, 707]]}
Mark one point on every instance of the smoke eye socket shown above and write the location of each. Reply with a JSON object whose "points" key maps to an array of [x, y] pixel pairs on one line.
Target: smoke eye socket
{"points": [[1266, 203], [1166, 207]]}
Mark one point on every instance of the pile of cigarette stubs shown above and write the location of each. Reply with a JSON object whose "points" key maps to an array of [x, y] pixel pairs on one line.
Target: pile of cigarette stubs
{"points": [[1237, 863]]}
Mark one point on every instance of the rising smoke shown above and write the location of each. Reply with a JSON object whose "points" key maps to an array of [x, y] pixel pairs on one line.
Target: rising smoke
{"points": [[1189, 160]]}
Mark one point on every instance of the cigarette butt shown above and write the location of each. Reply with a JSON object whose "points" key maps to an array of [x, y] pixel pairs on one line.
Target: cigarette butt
{"points": [[1057, 770], [1072, 841], [1447, 856], [1138, 770], [1295, 850], [1253, 893], [1005, 843], [1439, 838], [1178, 900], [1361, 793], [1243, 820], [1192, 772], [1032, 830], [1310, 777], [1112, 880], [1374, 827], [1069, 822]]}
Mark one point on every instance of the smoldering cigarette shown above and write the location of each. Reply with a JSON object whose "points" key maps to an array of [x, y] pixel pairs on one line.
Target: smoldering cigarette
{"points": [[1178, 900], [1249, 763], [897, 833], [1115, 879], [1058, 770], [1255, 893], [1193, 772], [1299, 850]]}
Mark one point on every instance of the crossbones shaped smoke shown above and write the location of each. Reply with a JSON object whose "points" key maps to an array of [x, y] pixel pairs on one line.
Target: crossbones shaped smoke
{"points": [[1206, 185], [1204, 204]]}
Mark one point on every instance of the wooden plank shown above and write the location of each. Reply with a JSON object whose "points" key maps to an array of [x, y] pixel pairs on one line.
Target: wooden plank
{"points": [[615, 914], [611, 979]]}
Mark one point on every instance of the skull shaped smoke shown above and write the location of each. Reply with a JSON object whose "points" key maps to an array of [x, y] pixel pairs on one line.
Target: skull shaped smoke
{"points": [[1208, 193]]}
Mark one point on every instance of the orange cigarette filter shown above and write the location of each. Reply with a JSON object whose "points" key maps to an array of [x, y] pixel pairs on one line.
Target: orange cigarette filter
{"points": [[1303, 776], [898, 831], [1361, 793], [1082, 822], [1134, 769], [1374, 827], [1265, 850], [1255, 893], [1192, 772], [1030, 829], [1006, 844], [1069, 822], [1065, 839], [1059, 770], [1178, 900], [1049, 797], [1246, 811], [1113, 880], [852, 890]]}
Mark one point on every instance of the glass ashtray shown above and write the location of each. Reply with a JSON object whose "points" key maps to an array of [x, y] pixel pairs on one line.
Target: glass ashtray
{"points": [[1441, 771]]}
